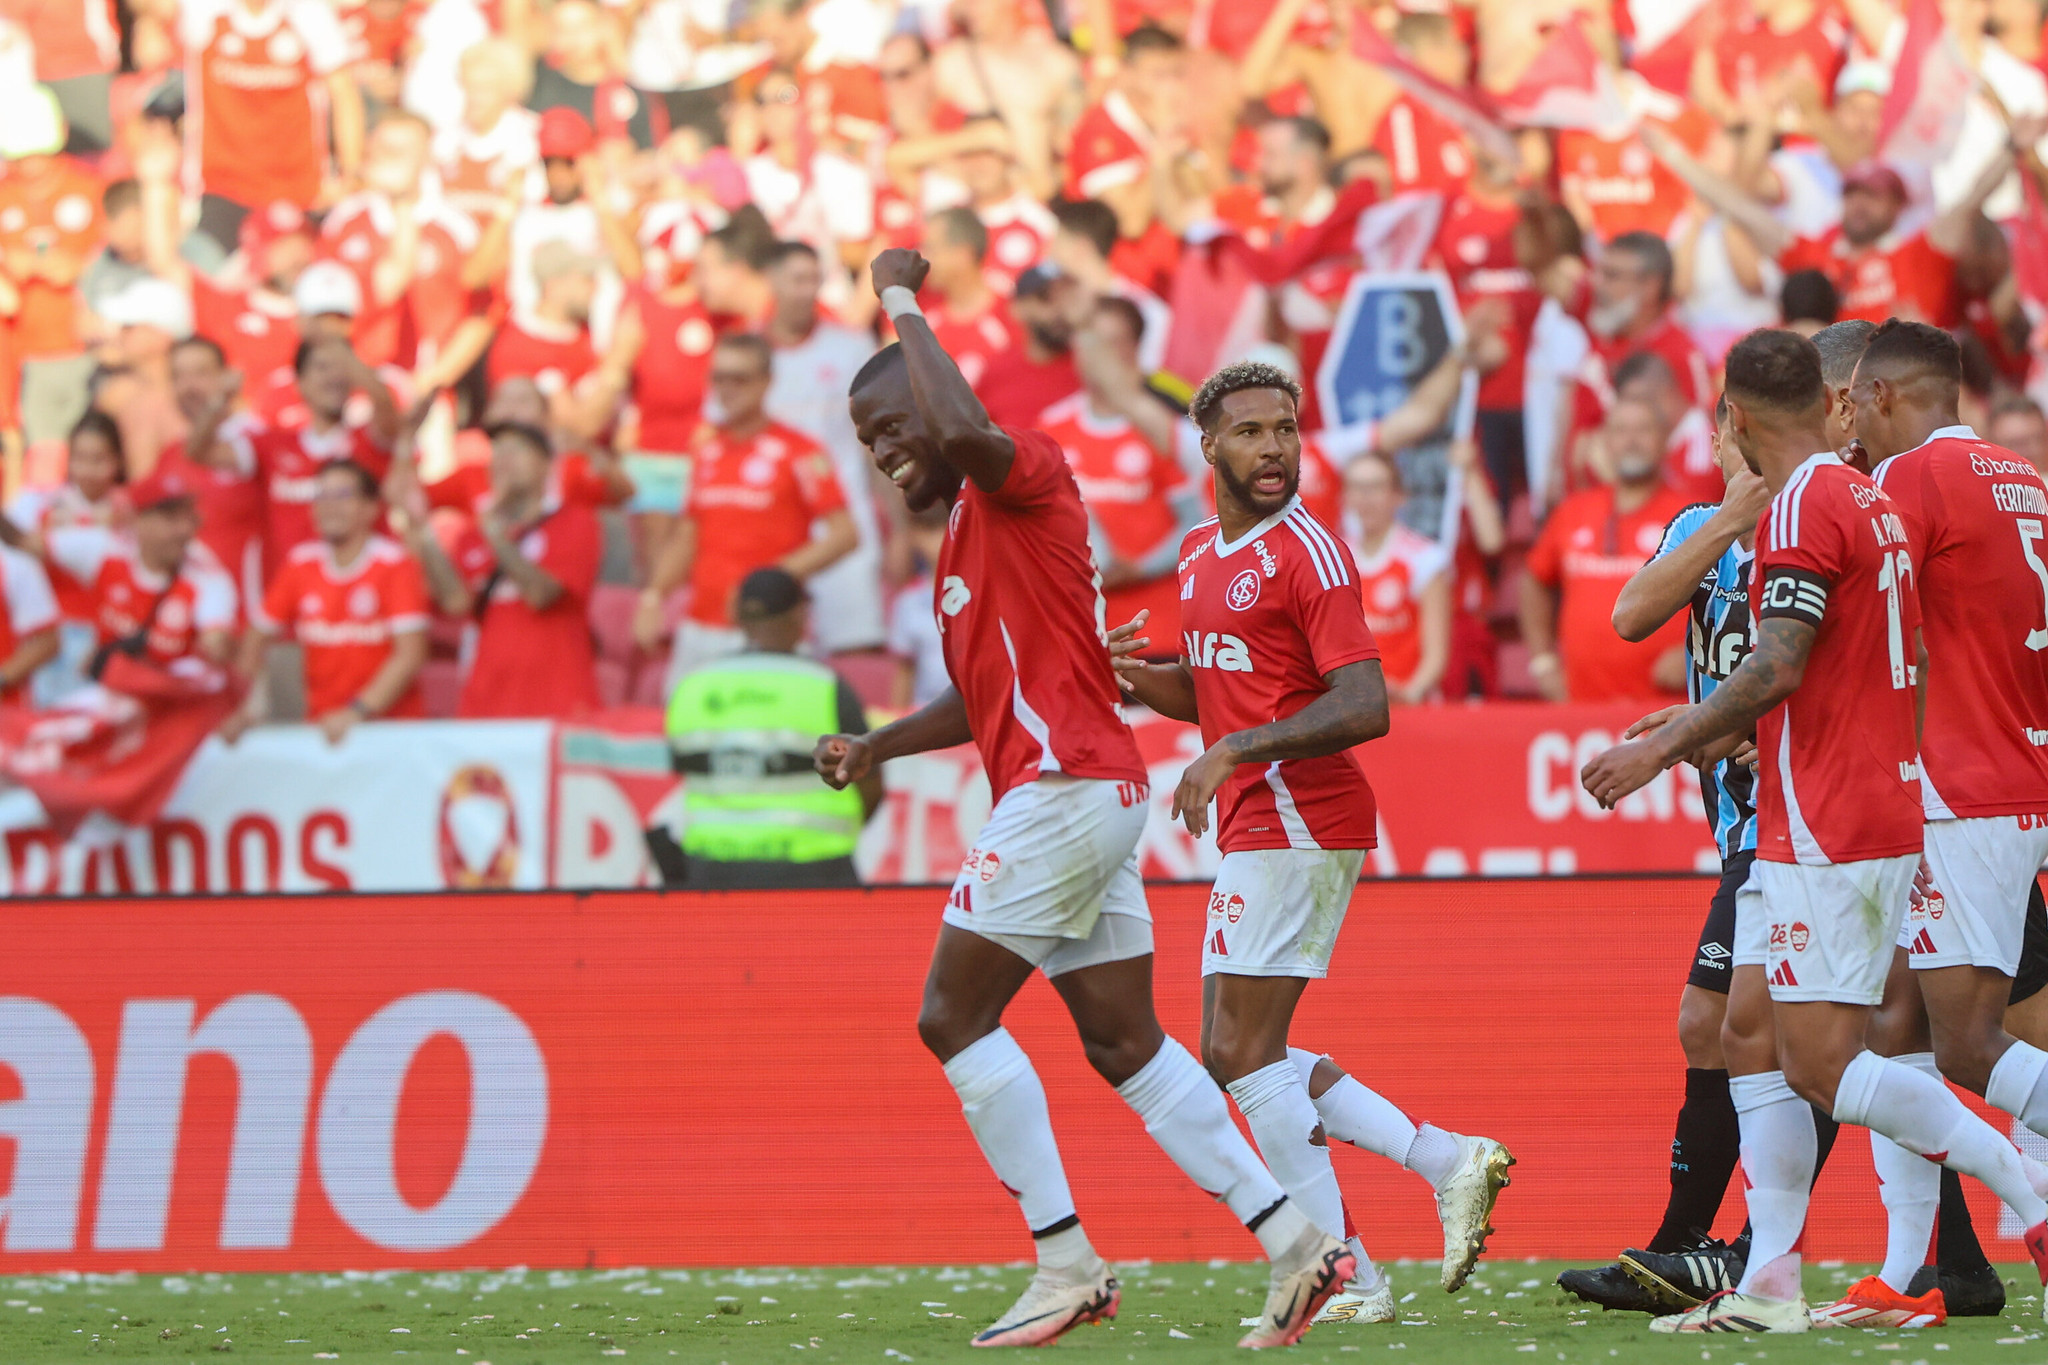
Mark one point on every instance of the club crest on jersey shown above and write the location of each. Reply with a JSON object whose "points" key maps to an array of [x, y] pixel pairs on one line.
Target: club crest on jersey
{"points": [[1212, 650], [1243, 590]]}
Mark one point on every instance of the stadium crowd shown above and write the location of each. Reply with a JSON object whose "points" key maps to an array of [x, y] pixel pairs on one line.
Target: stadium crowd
{"points": [[462, 357]]}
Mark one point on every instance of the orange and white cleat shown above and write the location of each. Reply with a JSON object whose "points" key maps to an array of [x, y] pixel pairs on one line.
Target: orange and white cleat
{"points": [[1305, 1278], [1053, 1304], [1870, 1302]]}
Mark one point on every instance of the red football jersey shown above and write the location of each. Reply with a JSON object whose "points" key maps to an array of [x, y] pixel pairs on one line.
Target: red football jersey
{"points": [[1423, 149], [672, 372], [1015, 596], [1908, 276], [1391, 581], [258, 329], [1262, 622], [1475, 247], [410, 328], [346, 619], [530, 663], [973, 342], [200, 599], [1019, 228], [288, 463], [1977, 514], [1837, 782], [554, 355], [753, 499]]}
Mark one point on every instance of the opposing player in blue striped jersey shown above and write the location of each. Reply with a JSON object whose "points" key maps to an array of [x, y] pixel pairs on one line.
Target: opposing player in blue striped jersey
{"points": [[1702, 568]]}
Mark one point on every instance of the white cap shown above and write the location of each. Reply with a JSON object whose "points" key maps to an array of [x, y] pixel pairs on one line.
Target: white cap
{"points": [[31, 123], [327, 287], [1865, 77], [150, 302]]}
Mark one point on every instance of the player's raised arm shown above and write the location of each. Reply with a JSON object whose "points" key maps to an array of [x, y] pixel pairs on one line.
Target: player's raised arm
{"points": [[1353, 711], [958, 423]]}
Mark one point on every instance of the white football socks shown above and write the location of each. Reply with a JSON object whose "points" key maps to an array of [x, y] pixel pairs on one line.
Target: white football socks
{"points": [[2017, 1087], [1005, 1106], [1276, 1105], [1924, 1116], [1190, 1120], [1910, 1186], [1779, 1151], [1354, 1113]]}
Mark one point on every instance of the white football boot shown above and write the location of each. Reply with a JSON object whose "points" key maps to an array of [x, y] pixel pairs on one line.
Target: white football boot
{"points": [[1465, 1204], [1305, 1277], [1730, 1311], [1054, 1303]]}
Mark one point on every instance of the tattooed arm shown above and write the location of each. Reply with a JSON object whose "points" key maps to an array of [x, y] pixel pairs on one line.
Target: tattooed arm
{"points": [[1353, 711], [1770, 674]]}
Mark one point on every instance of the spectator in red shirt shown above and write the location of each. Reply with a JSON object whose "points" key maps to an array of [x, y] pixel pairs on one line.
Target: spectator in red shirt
{"points": [[28, 623], [760, 493], [1082, 248], [1109, 155], [523, 572], [969, 319], [1029, 378], [2018, 424], [221, 467], [1594, 541], [550, 342], [50, 227], [1019, 226], [357, 605]]}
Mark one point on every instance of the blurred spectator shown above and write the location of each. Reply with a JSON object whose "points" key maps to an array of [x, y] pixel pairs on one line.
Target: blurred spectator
{"points": [[50, 228], [1003, 64], [760, 494], [28, 623], [1592, 543], [217, 460], [356, 603], [572, 209], [1110, 156], [133, 382], [406, 245], [123, 257], [1030, 377], [2017, 424], [77, 46], [815, 362], [251, 105], [581, 68], [808, 192], [92, 494], [1690, 466], [493, 150], [288, 459], [1081, 250], [153, 594], [740, 732], [1121, 442], [550, 342], [523, 570], [968, 320], [1404, 579], [1020, 228], [914, 639]]}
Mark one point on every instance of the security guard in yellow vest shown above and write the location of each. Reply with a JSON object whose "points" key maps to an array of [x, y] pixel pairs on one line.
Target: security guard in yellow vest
{"points": [[740, 732]]}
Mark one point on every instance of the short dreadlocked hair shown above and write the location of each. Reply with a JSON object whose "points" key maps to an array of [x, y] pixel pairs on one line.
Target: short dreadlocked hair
{"points": [[1245, 374]]}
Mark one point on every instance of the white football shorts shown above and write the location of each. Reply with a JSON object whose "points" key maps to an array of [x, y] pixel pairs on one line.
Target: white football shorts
{"points": [[1976, 914], [1276, 911], [1055, 864], [1752, 926], [1833, 927]]}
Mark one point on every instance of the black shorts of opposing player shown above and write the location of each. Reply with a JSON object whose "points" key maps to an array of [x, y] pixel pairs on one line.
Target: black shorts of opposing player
{"points": [[1712, 960], [2033, 972]]}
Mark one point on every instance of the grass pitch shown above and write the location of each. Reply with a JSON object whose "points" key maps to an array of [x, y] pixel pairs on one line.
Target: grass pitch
{"points": [[1511, 1313]]}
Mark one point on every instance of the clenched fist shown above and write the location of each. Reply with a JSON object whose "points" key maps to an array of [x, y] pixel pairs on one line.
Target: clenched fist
{"points": [[899, 266]]}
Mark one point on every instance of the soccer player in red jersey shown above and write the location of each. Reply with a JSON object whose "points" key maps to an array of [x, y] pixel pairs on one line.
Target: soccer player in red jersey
{"points": [[1282, 673], [1976, 515], [1052, 882], [1830, 688]]}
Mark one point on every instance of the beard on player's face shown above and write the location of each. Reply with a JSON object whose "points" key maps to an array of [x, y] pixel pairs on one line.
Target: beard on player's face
{"points": [[1266, 484]]}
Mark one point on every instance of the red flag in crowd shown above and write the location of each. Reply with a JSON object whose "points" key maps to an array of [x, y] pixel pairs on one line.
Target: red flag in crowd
{"points": [[1397, 235], [1468, 109], [1219, 312], [1567, 86], [123, 755], [2030, 250], [1931, 87]]}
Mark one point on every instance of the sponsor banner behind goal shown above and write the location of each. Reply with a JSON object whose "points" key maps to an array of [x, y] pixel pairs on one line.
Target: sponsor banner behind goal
{"points": [[433, 805], [631, 1078]]}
